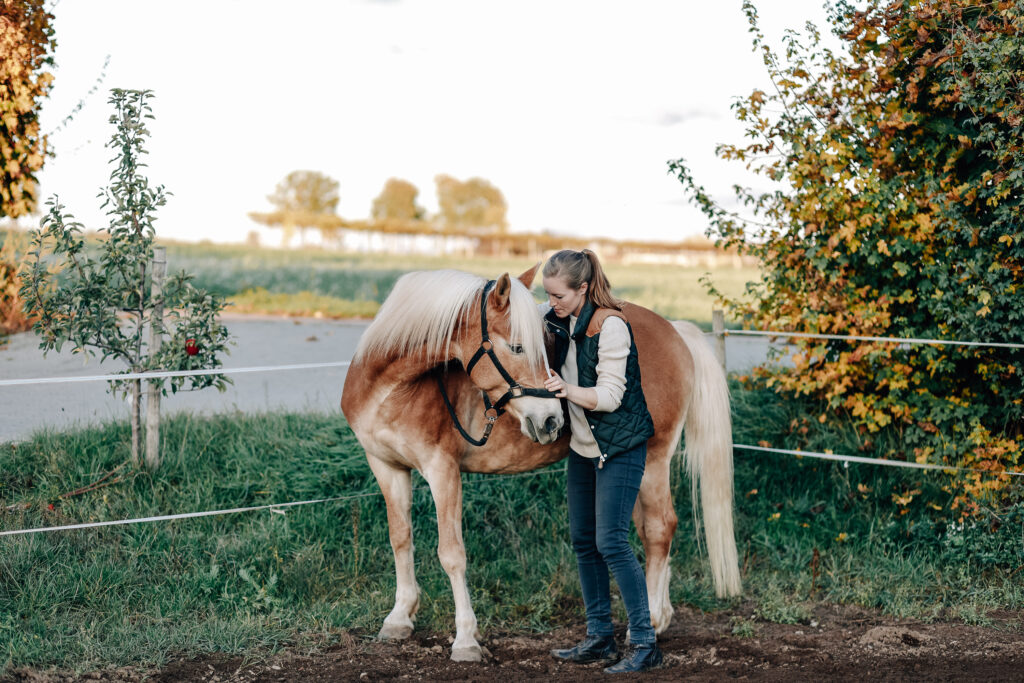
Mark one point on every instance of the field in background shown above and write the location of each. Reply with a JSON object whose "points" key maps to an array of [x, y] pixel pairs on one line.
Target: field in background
{"points": [[334, 284]]}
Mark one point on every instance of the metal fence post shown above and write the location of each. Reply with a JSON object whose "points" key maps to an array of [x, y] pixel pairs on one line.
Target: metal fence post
{"points": [[718, 328]]}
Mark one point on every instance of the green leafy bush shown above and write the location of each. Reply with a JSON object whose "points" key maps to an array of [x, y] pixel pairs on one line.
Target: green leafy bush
{"points": [[899, 172]]}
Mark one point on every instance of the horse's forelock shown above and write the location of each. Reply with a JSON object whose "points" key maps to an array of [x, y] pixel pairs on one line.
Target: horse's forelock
{"points": [[525, 324]]}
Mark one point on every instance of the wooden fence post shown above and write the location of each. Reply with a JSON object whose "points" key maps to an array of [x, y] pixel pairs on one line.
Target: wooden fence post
{"points": [[156, 332], [718, 328]]}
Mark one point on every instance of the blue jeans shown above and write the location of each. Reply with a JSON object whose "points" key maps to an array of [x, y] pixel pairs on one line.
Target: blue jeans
{"points": [[600, 506]]}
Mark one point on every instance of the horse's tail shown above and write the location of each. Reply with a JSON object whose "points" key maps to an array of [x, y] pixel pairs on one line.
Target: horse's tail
{"points": [[708, 458]]}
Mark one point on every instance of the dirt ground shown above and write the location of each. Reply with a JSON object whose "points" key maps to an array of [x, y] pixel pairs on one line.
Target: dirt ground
{"points": [[838, 643]]}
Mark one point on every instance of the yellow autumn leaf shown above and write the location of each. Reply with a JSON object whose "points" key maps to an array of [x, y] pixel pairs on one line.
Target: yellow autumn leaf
{"points": [[925, 221]]}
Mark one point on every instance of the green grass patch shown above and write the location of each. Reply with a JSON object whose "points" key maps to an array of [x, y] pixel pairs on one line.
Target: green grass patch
{"points": [[305, 304], [142, 594], [299, 281]]}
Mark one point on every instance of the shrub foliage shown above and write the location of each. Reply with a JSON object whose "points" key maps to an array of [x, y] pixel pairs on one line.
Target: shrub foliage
{"points": [[896, 212], [26, 43]]}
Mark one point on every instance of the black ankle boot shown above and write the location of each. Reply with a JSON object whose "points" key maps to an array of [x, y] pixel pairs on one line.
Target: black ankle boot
{"points": [[592, 649], [638, 658]]}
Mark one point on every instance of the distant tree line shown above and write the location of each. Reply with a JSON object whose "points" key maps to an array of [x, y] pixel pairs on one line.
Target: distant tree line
{"points": [[308, 200]]}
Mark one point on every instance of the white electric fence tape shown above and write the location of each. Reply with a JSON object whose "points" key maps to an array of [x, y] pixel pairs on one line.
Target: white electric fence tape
{"points": [[899, 340], [169, 373], [874, 461], [273, 507], [183, 515]]}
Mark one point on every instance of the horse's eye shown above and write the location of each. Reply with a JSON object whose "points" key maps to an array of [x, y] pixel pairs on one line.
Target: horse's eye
{"points": [[516, 348]]}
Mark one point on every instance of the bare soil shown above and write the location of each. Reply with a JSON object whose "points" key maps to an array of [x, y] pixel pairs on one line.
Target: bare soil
{"points": [[838, 643]]}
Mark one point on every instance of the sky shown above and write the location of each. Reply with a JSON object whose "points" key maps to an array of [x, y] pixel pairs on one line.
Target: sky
{"points": [[572, 109]]}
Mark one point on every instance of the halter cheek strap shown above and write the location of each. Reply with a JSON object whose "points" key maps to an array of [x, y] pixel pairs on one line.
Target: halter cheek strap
{"points": [[515, 390]]}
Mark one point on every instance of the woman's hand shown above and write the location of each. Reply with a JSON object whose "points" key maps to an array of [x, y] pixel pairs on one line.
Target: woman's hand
{"points": [[556, 385]]}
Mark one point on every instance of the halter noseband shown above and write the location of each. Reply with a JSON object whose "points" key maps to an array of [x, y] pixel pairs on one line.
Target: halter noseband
{"points": [[515, 390]]}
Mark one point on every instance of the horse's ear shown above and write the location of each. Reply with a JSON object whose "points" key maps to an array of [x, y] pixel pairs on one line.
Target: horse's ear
{"points": [[502, 288], [528, 277]]}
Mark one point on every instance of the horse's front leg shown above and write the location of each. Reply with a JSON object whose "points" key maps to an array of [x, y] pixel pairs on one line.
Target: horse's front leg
{"points": [[396, 485], [446, 486]]}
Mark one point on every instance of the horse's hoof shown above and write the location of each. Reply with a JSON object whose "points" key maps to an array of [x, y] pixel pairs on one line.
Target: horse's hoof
{"points": [[473, 653], [393, 632]]}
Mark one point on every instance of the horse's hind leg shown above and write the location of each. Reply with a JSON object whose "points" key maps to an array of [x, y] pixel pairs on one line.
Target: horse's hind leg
{"points": [[396, 485], [655, 519], [446, 486]]}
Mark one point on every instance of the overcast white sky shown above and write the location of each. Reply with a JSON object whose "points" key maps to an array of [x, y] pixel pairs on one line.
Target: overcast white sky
{"points": [[572, 109]]}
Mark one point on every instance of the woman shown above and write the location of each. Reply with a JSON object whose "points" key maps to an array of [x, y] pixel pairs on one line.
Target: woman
{"points": [[600, 379]]}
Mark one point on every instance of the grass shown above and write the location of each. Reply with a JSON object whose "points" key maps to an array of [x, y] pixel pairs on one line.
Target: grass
{"points": [[334, 284], [141, 594]]}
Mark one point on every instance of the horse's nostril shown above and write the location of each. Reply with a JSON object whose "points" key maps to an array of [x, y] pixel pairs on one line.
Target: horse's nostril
{"points": [[551, 425]]}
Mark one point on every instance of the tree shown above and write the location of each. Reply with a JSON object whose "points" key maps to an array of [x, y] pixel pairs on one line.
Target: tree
{"points": [[901, 172], [304, 199], [27, 44], [397, 201], [471, 205], [106, 300]]}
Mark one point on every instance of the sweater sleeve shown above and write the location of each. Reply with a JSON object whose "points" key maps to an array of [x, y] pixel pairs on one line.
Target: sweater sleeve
{"points": [[612, 352]]}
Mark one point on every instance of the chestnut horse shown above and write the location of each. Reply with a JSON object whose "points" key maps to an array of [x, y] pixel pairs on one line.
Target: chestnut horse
{"points": [[411, 361]]}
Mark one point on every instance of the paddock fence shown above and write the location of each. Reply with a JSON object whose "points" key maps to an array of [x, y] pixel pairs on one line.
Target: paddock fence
{"points": [[718, 334]]}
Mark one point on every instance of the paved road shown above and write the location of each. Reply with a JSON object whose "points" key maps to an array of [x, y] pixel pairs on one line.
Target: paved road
{"points": [[259, 341]]}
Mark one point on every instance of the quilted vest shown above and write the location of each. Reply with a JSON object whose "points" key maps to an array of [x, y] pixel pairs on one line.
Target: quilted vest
{"points": [[630, 424]]}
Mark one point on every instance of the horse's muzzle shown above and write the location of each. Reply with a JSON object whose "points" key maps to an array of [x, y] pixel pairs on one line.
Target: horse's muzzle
{"points": [[543, 430]]}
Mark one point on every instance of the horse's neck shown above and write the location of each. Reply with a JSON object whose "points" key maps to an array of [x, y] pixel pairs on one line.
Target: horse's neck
{"points": [[402, 370]]}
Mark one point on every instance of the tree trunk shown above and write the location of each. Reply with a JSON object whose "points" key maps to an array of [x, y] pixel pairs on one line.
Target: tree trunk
{"points": [[156, 333]]}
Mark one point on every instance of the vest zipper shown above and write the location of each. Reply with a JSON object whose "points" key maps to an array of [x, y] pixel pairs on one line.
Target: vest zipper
{"points": [[600, 461]]}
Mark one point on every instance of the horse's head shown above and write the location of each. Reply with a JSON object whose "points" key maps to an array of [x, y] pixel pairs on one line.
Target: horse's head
{"points": [[502, 349]]}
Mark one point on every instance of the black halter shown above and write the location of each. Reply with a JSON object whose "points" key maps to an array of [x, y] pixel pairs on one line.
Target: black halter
{"points": [[515, 390]]}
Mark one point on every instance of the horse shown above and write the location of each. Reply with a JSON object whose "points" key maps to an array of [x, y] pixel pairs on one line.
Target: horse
{"points": [[450, 335]]}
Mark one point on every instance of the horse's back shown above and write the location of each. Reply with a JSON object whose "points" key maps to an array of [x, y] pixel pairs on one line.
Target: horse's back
{"points": [[666, 367]]}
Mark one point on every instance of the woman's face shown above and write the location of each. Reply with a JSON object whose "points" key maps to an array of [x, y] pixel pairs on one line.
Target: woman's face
{"points": [[564, 300]]}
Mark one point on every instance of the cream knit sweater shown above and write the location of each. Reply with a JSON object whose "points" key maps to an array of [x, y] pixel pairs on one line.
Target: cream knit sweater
{"points": [[612, 352]]}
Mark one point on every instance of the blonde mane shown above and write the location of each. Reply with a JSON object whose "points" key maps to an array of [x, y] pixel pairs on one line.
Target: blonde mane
{"points": [[424, 308]]}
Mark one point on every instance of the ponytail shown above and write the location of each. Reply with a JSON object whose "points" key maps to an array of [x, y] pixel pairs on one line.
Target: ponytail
{"points": [[577, 267], [600, 289]]}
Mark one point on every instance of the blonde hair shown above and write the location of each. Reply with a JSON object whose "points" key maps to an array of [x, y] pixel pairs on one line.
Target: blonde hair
{"points": [[577, 267], [424, 308]]}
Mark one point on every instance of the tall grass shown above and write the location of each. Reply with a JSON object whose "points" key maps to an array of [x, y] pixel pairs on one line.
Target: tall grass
{"points": [[144, 593]]}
